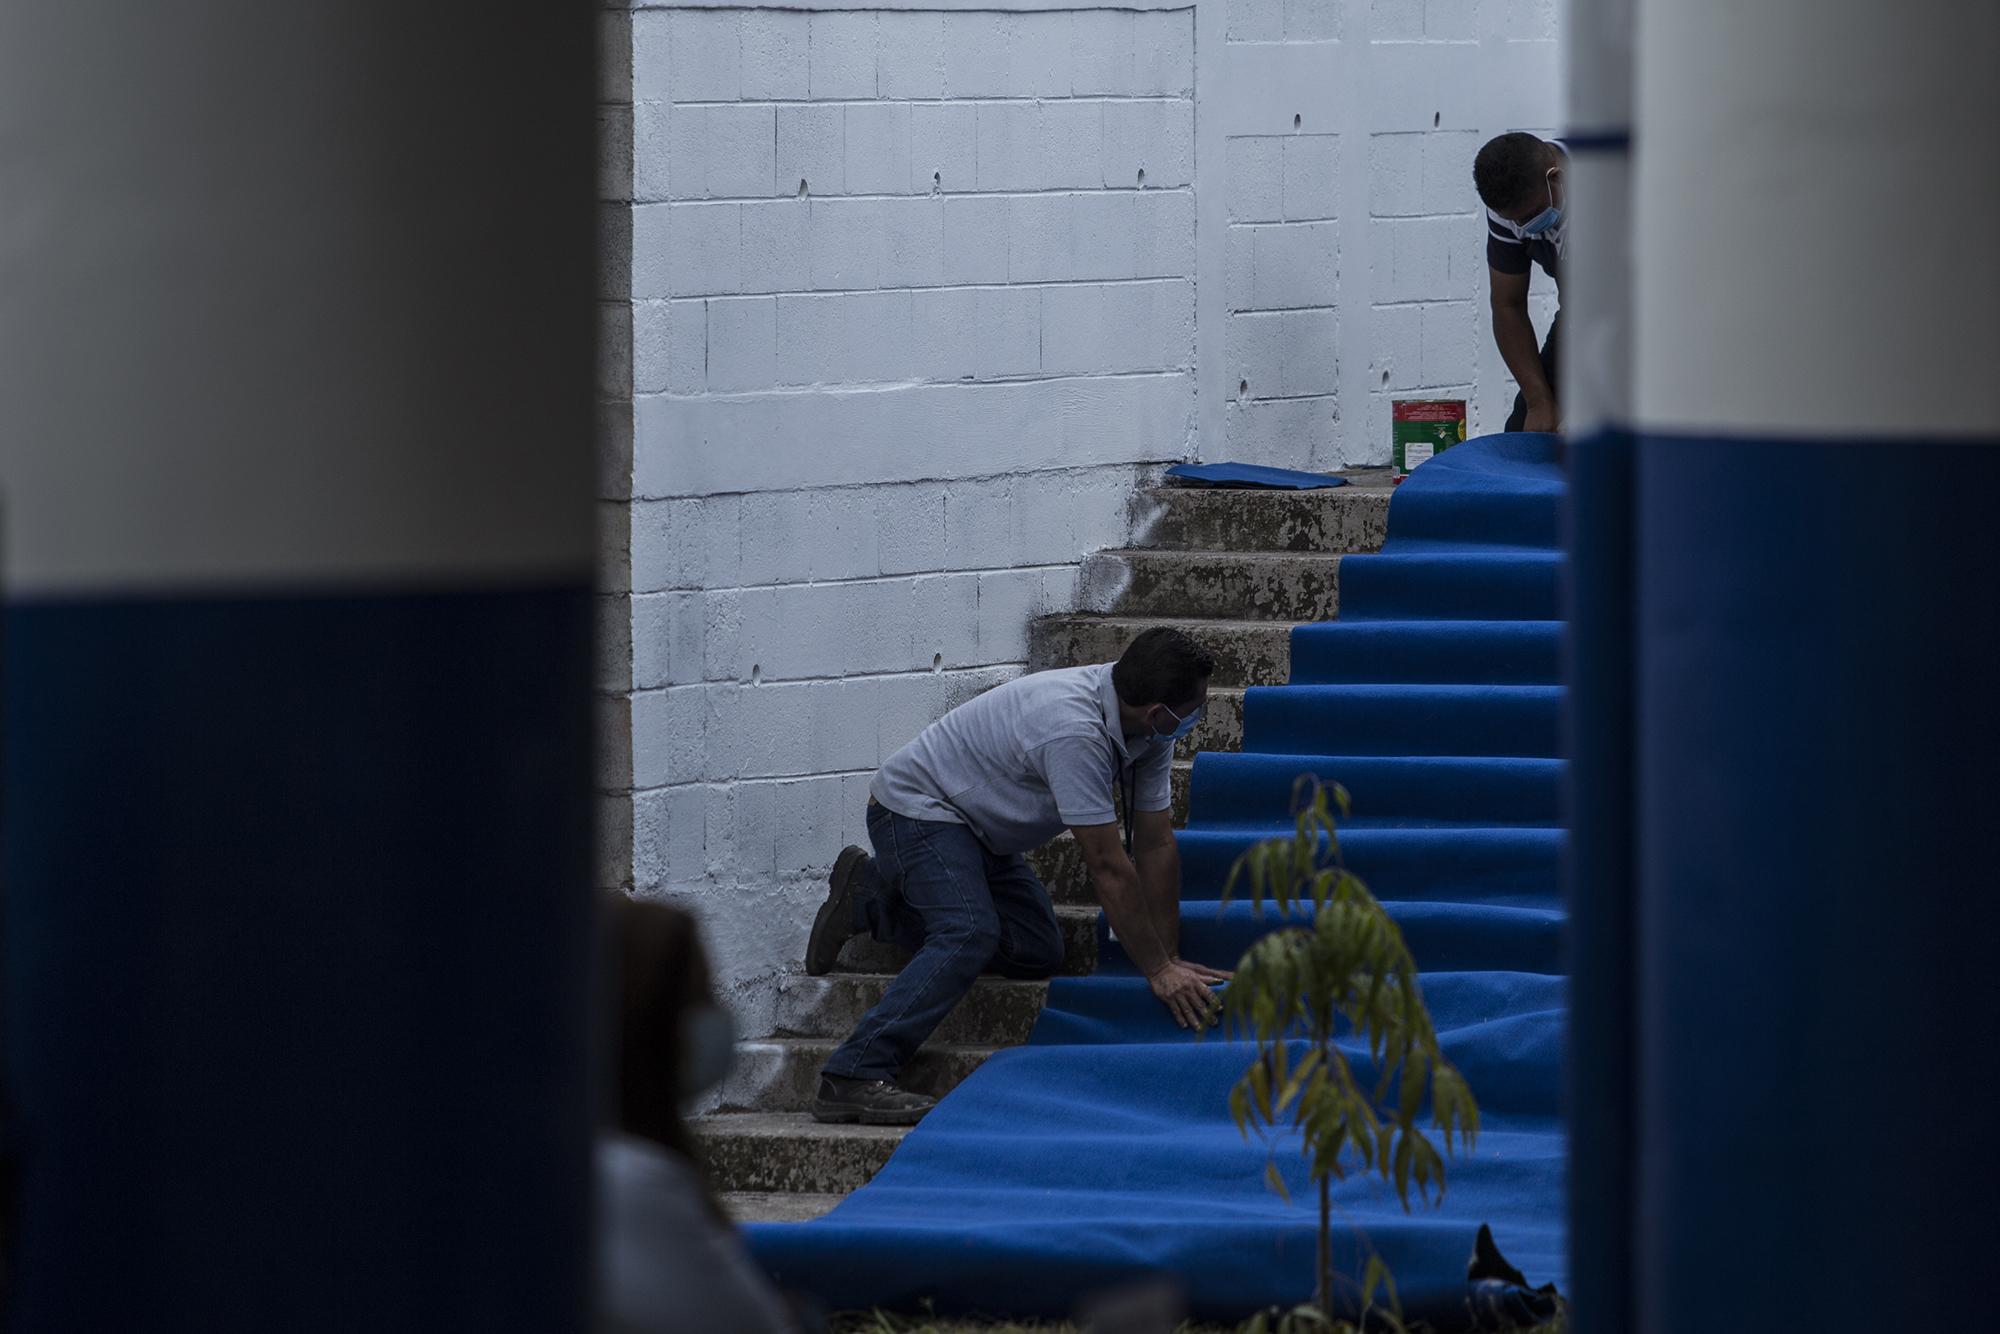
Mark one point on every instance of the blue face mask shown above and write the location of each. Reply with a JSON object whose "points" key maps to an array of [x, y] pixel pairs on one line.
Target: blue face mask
{"points": [[1182, 725], [1548, 217]]}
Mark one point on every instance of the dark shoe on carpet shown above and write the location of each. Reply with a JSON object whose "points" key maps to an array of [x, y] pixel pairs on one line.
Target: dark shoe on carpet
{"points": [[872, 1102], [835, 923]]}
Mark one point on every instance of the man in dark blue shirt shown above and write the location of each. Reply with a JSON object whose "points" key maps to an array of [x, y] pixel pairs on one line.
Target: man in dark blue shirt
{"points": [[1520, 180]]}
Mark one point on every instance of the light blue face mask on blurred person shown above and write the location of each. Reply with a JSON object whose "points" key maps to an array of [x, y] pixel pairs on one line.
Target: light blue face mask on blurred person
{"points": [[708, 1049], [1182, 726]]}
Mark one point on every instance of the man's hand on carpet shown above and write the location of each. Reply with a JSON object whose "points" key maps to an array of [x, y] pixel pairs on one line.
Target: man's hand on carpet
{"points": [[1203, 971], [1185, 995]]}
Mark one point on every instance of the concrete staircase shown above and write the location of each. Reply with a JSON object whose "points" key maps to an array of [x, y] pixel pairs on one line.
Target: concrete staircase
{"points": [[1237, 569]]}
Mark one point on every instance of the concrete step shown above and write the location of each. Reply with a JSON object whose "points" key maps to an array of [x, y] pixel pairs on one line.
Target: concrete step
{"points": [[998, 1012], [1350, 518], [790, 1152], [1246, 585], [1060, 866], [1247, 652], [762, 1207], [1078, 925], [780, 1074]]}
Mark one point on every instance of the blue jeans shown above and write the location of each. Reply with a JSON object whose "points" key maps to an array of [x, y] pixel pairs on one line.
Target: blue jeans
{"points": [[933, 888]]}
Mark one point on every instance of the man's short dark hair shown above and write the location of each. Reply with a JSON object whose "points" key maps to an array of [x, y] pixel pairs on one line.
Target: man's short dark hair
{"points": [[1162, 666], [1509, 169]]}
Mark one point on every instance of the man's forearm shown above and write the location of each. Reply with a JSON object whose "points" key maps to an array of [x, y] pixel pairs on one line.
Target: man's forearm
{"points": [[1515, 334], [1133, 921], [1160, 884]]}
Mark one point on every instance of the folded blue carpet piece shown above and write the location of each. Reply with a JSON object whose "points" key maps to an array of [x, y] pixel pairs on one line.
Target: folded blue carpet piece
{"points": [[1253, 475], [1103, 1150]]}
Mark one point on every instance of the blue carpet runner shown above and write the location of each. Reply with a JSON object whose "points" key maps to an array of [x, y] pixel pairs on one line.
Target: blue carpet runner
{"points": [[1103, 1150]]}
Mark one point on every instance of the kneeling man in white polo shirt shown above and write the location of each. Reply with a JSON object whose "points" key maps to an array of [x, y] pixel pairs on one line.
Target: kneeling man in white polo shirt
{"points": [[950, 816]]}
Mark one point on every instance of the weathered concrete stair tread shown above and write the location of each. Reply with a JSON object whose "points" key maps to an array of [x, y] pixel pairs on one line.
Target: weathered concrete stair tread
{"points": [[780, 1074], [1221, 725], [764, 1207], [789, 1151], [1349, 518], [1242, 585], [998, 1012], [1247, 653], [1078, 926]]}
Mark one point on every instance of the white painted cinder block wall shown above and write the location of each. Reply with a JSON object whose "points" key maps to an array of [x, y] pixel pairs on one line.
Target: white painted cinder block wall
{"points": [[902, 303]]}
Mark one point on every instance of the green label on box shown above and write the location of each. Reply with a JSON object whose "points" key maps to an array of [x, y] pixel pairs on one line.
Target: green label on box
{"points": [[1424, 428]]}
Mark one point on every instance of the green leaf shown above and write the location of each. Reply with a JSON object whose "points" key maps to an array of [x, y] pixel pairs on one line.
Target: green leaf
{"points": [[1276, 1181]]}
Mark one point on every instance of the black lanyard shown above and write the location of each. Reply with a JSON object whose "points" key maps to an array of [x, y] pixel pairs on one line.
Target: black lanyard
{"points": [[1125, 782]]}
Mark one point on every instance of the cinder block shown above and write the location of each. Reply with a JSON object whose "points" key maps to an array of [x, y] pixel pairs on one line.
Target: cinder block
{"points": [[614, 349], [1104, 235], [667, 736], [615, 276], [979, 521], [1282, 432], [1038, 54], [976, 55], [1397, 339], [722, 634], [875, 337], [1451, 20], [614, 546], [1163, 234], [1153, 139], [614, 56], [944, 615], [1312, 20], [685, 544], [1451, 343], [913, 533], [944, 145], [1256, 354], [904, 706], [658, 164], [1069, 139], [1297, 264], [1311, 346], [740, 151], [843, 524], [613, 634], [1039, 235], [976, 232], [1100, 44], [614, 152], [843, 736], [652, 70], [612, 716], [671, 825], [776, 536], [777, 727], [878, 148], [648, 253], [1396, 20], [777, 245], [1006, 332], [705, 56], [1396, 175], [704, 250], [1163, 53], [1254, 170], [1038, 511], [1008, 155], [842, 56], [753, 829], [669, 346], [668, 640], [1527, 20], [1117, 328], [612, 435], [1448, 185], [1008, 601], [811, 331], [742, 343], [911, 241], [774, 55], [812, 150], [1420, 253], [1255, 20], [1312, 179], [909, 54], [846, 243]]}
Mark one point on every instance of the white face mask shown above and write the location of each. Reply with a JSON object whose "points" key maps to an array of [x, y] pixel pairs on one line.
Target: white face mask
{"points": [[708, 1049]]}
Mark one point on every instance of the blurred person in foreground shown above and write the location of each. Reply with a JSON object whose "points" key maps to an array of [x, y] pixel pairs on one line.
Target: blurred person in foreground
{"points": [[669, 1259]]}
